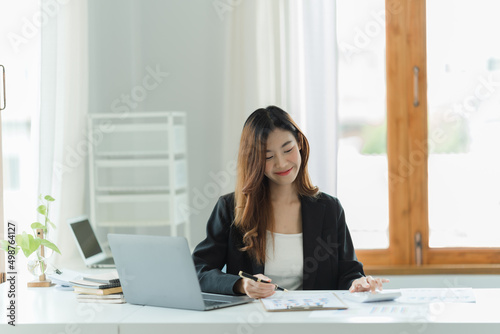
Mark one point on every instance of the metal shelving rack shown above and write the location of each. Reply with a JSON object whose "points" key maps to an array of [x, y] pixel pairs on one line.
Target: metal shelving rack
{"points": [[138, 170]]}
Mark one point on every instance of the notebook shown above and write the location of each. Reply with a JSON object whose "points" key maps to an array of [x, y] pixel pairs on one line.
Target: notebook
{"points": [[105, 278], [88, 245], [159, 271], [83, 283]]}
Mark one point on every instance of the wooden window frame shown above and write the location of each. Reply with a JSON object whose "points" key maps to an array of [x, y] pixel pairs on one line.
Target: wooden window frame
{"points": [[407, 153]]}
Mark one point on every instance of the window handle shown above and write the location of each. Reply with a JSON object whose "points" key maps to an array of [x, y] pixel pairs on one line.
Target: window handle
{"points": [[418, 249], [2, 107], [415, 86]]}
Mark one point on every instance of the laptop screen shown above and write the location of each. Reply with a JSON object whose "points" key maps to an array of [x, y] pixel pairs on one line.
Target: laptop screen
{"points": [[86, 238]]}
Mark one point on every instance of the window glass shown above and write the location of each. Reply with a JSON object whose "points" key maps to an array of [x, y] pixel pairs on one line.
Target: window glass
{"points": [[463, 59], [20, 54]]}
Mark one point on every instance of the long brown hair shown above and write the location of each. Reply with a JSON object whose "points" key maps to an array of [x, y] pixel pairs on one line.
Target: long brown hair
{"points": [[253, 210]]}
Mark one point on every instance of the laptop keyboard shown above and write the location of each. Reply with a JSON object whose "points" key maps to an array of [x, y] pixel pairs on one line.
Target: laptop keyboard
{"points": [[108, 260], [212, 302]]}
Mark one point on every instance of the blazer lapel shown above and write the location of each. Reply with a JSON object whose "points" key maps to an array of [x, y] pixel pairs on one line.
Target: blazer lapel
{"points": [[312, 225]]}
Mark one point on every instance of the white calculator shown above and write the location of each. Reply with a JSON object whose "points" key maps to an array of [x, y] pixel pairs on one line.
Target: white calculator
{"points": [[368, 297]]}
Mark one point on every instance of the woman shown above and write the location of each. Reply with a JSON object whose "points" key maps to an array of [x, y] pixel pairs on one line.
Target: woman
{"points": [[277, 226]]}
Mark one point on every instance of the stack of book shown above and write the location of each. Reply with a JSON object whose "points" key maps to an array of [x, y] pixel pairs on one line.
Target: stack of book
{"points": [[101, 288]]}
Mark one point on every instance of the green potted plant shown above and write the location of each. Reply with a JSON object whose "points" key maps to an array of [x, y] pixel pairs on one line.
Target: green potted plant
{"points": [[33, 245]]}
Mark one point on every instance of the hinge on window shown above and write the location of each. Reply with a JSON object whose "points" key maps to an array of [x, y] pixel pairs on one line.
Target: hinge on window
{"points": [[418, 248]]}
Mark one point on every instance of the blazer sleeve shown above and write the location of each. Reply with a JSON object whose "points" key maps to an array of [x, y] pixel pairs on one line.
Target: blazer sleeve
{"points": [[210, 256], [349, 266]]}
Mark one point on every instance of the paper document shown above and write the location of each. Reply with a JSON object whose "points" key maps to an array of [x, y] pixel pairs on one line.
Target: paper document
{"points": [[370, 311], [65, 276], [293, 301], [446, 295]]}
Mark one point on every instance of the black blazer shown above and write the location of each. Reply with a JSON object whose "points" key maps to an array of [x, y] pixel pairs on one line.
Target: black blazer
{"points": [[329, 259]]}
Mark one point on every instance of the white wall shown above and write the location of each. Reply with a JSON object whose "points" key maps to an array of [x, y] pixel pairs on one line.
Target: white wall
{"points": [[183, 38]]}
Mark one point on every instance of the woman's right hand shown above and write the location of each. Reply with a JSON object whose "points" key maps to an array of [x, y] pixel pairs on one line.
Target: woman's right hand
{"points": [[255, 289]]}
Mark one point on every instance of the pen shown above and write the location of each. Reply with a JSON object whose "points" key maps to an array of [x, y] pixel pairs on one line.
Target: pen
{"points": [[256, 279]]}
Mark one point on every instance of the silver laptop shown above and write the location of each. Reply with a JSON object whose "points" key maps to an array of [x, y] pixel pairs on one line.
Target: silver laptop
{"points": [[159, 271], [88, 245]]}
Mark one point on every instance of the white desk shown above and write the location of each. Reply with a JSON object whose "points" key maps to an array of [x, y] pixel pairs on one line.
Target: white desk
{"points": [[59, 312]]}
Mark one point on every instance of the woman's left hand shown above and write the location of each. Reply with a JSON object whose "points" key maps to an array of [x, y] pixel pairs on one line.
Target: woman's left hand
{"points": [[367, 283]]}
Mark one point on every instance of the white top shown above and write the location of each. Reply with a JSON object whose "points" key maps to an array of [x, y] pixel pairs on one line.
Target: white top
{"points": [[285, 262]]}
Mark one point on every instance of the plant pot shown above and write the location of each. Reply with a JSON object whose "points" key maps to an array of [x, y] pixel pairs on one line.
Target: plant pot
{"points": [[37, 264]]}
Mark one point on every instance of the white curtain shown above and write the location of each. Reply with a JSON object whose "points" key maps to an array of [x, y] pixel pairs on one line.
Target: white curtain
{"points": [[64, 108], [321, 92], [252, 74], [284, 53]]}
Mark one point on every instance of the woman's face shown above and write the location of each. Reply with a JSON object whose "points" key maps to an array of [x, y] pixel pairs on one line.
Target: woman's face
{"points": [[282, 157]]}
